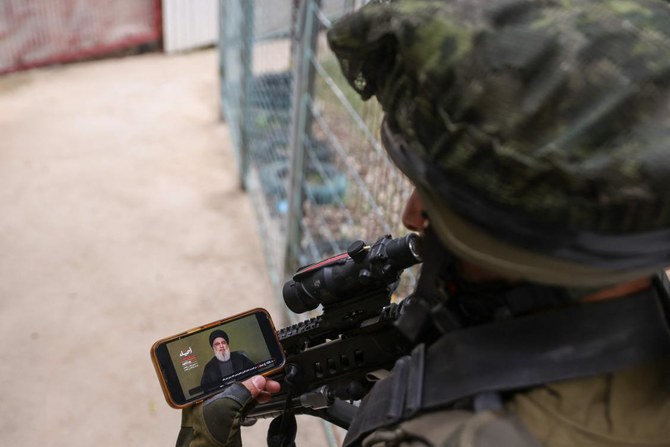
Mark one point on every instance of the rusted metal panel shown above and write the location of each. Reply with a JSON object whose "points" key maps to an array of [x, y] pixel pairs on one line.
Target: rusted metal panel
{"points": [[43, 32]]}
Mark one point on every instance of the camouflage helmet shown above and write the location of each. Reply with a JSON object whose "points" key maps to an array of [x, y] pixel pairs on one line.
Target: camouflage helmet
{"points": [[537, 132]]}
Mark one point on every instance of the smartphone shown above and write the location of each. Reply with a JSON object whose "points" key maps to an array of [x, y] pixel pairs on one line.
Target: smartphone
{"points": [[198, 363]]}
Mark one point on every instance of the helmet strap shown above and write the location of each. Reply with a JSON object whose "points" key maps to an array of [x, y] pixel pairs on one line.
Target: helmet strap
{"points": [[444, 300]]}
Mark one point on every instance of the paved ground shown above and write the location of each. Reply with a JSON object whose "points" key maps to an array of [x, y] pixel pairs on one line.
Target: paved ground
{"points": [[121, 223]]}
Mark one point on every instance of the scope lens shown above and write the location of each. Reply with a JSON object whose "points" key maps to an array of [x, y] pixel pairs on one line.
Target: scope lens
{"points": [[404, 251], [414, 247], [297, 299]]}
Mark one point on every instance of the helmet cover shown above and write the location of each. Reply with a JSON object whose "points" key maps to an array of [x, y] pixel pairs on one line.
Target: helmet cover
{"points": [[543, 125]]}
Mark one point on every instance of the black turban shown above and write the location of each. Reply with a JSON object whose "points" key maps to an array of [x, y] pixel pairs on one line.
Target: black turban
{"points": [[216, 334]]}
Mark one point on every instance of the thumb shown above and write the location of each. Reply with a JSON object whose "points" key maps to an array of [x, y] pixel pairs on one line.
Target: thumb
{"points": [[255, 385]]}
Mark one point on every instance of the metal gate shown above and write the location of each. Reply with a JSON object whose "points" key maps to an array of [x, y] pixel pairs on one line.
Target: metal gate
{"points": [[307, 147]]}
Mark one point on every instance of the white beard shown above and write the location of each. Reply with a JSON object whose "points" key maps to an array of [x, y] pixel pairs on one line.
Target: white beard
{"points": [[222, 356]]}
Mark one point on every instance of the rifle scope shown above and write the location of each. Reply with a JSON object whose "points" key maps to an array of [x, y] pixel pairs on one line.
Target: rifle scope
{"points": [[362, 269]]}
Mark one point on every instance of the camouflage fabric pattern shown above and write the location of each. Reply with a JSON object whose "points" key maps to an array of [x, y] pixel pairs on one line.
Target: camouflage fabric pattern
{"points": [[559, 110]]}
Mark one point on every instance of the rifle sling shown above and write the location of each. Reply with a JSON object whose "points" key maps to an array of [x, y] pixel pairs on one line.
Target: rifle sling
{"points": [[572, 342]]}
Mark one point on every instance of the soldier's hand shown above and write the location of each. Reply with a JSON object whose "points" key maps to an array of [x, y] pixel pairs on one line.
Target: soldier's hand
{"points": [[261, 388], [216, 421]]}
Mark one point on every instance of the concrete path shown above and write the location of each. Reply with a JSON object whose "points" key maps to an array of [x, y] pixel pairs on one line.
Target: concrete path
{"points": [[121, 223]]}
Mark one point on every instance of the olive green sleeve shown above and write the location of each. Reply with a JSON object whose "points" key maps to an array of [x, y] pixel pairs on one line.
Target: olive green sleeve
{"points": [[215, 422]]}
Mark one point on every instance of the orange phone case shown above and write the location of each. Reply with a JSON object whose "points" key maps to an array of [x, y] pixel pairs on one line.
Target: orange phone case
{"points": [[159, 372]]}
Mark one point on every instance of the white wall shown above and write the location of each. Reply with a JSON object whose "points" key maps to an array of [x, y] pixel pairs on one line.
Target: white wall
{"points": [[189, 24]]}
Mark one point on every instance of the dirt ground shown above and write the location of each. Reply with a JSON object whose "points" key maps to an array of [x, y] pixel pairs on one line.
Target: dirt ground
{"points": [[122, 223]]}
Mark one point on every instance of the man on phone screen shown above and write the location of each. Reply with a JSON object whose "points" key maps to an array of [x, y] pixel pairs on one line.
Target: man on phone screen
{"points": [[224, 363]]}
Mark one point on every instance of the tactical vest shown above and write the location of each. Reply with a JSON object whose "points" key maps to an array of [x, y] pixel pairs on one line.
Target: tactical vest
{"points": [[474, 365]]}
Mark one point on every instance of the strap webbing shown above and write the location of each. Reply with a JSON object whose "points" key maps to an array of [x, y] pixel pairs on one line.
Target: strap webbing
{"points": [[578, 341]]}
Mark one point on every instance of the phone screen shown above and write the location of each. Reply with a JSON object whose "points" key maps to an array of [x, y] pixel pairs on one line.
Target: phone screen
{"points": [[198, 363]]}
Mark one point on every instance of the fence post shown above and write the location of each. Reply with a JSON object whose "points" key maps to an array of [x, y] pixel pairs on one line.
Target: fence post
{"points": [[221, 47], [247, 57], [306, 34], [236, 39]]}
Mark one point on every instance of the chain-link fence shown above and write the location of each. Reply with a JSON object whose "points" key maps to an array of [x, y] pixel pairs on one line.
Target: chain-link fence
{"points": [[308, 148]]}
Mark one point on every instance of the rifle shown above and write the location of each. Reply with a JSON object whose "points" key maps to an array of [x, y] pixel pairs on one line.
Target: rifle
{"points": [[332, 358]]}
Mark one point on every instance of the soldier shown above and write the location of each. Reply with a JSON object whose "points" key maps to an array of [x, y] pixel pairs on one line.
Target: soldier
{"points": [[537, 135]]}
